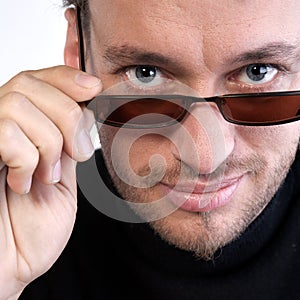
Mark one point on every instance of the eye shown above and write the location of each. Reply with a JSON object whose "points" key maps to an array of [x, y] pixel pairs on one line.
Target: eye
{"points": [[257, 74], [145, 76]]}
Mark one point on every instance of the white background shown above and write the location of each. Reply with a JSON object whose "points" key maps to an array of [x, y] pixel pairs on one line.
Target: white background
{"points": [[32, 34]]}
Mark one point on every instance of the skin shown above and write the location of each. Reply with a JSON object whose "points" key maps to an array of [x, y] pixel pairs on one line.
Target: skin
{"points": [[201, 61], [39, 148], [38, 200]]}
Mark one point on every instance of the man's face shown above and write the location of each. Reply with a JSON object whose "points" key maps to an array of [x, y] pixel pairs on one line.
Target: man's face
{"points": [[214, 48]]}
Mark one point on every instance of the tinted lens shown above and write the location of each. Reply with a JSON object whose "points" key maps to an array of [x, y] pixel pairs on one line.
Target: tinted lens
{"points": [[160, 111], [150, 112], [261, 109]]}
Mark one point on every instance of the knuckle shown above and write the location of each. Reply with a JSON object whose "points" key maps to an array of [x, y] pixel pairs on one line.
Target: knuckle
{"points": [[52, 74], [57, 139], [20, 80], [13, 152], [73, 112], [53, 144], [7, 129], [15, 100], [31, 159], [58, 71]]}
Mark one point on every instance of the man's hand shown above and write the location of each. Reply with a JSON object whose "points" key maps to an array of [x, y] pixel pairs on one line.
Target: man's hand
{"points": [[43, 130]]}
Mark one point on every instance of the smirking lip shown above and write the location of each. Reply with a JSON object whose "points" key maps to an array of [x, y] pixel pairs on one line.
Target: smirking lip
{"points": [[201, 198]]}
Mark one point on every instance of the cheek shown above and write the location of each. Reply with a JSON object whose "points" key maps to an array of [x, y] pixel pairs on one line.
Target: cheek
{"points": [[272, 141], [135, 150], [150, 150]]}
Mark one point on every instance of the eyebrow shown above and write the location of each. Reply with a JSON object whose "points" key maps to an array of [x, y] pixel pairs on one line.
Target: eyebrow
{"points": [[276, 50], [126, 54]]}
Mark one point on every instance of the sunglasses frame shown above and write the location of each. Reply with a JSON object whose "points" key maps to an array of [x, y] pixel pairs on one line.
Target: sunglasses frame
{"points": [[218, 100]]}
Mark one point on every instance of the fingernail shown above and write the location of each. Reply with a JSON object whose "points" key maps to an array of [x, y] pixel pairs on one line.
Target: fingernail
{"points": [[28, 186], [84, 143], [87, 81], [56, 174]]}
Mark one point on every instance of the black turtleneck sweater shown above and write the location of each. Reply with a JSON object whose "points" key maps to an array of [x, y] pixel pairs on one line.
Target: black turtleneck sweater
{"points": [[109, 259]]}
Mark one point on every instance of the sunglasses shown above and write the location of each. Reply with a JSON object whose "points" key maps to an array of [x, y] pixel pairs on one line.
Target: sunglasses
{"points": [[151, 111]]}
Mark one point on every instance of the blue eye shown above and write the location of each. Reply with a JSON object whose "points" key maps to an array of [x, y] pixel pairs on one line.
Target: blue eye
{"points": [[145, 76], [257, 74]]}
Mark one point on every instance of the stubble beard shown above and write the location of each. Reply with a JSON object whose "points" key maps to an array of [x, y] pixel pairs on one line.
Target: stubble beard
{"points": [[204, 233]]}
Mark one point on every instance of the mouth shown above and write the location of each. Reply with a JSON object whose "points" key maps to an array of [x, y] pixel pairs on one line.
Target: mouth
{"points": [[200, 197]]}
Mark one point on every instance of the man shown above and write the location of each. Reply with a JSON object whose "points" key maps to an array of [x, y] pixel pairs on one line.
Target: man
{"points": [[229, 192]]}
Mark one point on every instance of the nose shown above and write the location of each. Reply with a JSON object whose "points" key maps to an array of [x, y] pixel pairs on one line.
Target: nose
{"points": [[204, 140]]}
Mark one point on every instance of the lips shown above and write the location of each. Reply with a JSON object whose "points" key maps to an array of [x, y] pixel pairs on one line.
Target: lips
{"points": [[201, 197]]}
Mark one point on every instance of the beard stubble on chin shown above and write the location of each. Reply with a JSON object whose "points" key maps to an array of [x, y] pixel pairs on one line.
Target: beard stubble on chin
{"points": [[204, 233]]}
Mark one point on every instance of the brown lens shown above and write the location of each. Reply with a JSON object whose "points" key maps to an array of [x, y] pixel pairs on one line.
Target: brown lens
{"points": [[261, 109], [143, 111]]}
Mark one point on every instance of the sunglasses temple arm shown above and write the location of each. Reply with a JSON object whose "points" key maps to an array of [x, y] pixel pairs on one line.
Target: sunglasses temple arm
{"points": [[80, 39]]}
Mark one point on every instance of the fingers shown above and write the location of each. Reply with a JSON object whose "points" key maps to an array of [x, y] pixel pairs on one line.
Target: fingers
{"points": [[76, 84], [62, 110], [19, 154], [41, 117], [55, 98], [39, 130]]}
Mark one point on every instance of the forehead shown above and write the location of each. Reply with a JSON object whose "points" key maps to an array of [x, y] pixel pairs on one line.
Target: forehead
{"points": [[202, 29], [207, 16], [195, 13]]}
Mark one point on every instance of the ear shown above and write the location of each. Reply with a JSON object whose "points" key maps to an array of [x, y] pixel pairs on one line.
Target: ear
{"points": [[71, 55]]}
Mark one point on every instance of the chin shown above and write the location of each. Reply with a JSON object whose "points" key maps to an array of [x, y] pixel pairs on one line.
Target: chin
{"points": [[189, 231], [203, 233]]}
